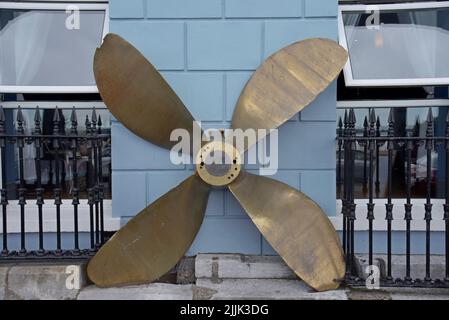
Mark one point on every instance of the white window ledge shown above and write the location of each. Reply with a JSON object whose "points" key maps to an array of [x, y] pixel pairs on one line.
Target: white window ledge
{"points": [[398, 223], [49, 212], [115, 223]]}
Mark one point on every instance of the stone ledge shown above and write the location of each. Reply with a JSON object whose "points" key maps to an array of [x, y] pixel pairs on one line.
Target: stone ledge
{"points": [[43, 281], [235, 266], [155, 291], [417, 265], [263, 289], [3, 275]]}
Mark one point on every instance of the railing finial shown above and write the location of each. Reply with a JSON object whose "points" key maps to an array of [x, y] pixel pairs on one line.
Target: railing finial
{"points": [[56, 120], [2, 120], [74, 121], [20, 121]]}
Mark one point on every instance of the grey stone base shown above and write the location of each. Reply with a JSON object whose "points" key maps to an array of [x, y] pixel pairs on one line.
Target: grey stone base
{"points": [[42, 281], [205, 277], [398, 266], [154, 291]]}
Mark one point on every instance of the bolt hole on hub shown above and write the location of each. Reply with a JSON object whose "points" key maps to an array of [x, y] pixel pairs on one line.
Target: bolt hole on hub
{"points": [[218, 163]]}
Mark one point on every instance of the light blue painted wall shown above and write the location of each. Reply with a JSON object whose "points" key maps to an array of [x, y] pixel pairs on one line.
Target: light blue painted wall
{"points": [[207, 50]]}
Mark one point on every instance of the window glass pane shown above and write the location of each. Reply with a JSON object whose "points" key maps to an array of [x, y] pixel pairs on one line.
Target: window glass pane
{"points": [[407, 44], [85, 167], [408, 121], [37, 49]]}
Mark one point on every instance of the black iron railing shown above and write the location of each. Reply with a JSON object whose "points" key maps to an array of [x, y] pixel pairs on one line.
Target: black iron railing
{"points": [[359, 155], [62, 146]]}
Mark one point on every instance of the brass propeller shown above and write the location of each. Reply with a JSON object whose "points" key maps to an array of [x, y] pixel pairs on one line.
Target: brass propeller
{"points": [[295, 226], [287, 82], [136, 94], [152, 242]]}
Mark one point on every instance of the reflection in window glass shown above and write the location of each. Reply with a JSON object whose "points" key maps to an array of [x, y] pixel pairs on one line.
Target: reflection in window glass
{"points": [[84, 167], [408, 121], [37, 49], [407, 44]]}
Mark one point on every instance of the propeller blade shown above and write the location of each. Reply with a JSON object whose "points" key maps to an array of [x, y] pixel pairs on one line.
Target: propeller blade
{"points": [[136, 94], [296, 228], [287, 82], [151, 243]]}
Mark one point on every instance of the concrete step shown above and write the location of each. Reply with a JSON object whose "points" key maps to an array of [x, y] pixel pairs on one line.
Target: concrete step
{"points": [[154, 291], [44, 281], [398, 265], [235, 266], [261, 289]]}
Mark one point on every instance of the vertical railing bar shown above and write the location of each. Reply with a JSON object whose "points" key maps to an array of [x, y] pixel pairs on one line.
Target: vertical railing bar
{"points": [[22, 190], [446, 204], [378, 145], [408, 206], [345, 187], [57, 189], [90, 191], [100, 184], [339, 150], [95, 177], [345, 196], [370, 215], [39, 189], [3, 191], [389, 205], [365, 153], [75, 190], [352, 206], [428, 206]]}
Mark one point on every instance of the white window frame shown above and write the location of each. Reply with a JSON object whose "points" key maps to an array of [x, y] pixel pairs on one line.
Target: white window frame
{"points": [[83, 5], [349, 79]]}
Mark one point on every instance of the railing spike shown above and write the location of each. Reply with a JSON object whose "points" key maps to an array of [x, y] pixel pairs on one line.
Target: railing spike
{"points": [[56, 120], [73, 116], [94, 120], [87, 124], [430, 117], [2, 120], [56, 117], [99, 124], [37, 121], [372, 117], [20, 128], [352, 118], [391, 117], [74, 121]]}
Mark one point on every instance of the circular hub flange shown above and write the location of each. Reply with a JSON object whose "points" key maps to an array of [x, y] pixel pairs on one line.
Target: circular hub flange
{"points": [[218, 163]]}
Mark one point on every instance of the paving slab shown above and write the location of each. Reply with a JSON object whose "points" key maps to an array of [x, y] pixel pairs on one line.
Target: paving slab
{"points": [[399, 294], [235, 266], [3, 275], [154, 291], [262, 289], [44, 281]]}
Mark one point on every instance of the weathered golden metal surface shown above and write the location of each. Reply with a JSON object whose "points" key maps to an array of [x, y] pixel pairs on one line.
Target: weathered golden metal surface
{"points": [[136, 94], [287, 82], [224, 173], [295, 227], [151, 243]]}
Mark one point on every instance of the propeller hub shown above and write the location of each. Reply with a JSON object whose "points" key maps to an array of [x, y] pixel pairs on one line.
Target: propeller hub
{"points": [[218, 163]]}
